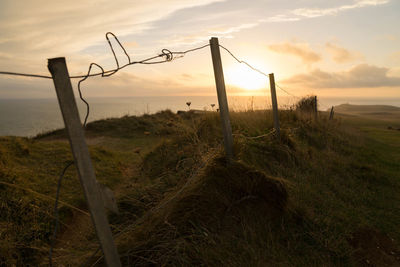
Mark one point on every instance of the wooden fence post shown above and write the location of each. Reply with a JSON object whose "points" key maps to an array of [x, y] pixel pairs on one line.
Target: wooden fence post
{"points": [[331, 114], [73, 125], [274, 106], [315, 106], [222, 99]]}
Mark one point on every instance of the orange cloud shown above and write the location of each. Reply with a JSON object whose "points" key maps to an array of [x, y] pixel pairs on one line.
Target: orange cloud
{"points": [[302, 51], [340, 54], [395, 56], [360, 76]]}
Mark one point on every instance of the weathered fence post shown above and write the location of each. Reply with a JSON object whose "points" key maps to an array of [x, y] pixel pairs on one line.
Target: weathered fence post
{"points": [[331, 114], [73, 125], [222, 99], [274, 105], [315, 107]]}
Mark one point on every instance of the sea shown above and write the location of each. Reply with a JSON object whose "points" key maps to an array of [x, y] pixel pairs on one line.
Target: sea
{"points": [[29, 117]]}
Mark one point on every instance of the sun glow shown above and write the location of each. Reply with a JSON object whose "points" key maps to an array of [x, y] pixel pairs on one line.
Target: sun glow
{"points": [[244, 77]]}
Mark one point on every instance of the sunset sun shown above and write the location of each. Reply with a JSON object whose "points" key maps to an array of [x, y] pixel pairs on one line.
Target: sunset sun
{"points": [[245, 78]]}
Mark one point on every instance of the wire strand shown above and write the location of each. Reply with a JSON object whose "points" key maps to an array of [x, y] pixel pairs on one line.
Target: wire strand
{"points": [[166, 53], [255, 69], [25, 74], [169, 56], [286, 91], [112, 49], [244, 62], [56, 213]]}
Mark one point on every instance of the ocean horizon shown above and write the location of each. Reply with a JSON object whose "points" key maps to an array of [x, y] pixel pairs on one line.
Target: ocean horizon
{"points": [[29, 117]]}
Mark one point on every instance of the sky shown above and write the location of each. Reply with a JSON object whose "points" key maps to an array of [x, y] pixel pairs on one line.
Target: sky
{"points": [[324, 47]]}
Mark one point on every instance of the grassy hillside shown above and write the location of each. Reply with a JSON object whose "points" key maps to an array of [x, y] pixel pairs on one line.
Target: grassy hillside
{"points": [[375, 112], [327, 194]]}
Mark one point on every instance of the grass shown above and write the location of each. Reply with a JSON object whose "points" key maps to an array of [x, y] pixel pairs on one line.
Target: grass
{"points": [[305, 201], [381, 114]]}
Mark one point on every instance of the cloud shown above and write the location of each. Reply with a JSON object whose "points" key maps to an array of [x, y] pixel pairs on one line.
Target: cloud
{"points": [[189, 39], [394, 71], [237, 16], [31, 33], [131, 44], [232, 29], [5, 56], [360, 76], [396, 55], [319, 12], [203, 35], [186, 76], [280, 18], [387, 37], [35, 33], [340, 54], [303, 51]]}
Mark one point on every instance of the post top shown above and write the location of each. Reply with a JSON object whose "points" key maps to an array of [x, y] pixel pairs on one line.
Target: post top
{"points": [[214, 40], [51, 62], [55, 59]]}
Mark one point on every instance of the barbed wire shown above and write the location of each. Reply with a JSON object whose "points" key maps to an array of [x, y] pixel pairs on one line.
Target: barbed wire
{"points": [[25, 74], [166, 53], [255, 69], [243, 62], [287, 92], [112, 49], [298, 97]]}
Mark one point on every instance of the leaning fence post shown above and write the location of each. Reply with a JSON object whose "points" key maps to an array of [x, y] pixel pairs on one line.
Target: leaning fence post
{"points": [[331, 114], [274, 105], [73, 125], [222, 99]]}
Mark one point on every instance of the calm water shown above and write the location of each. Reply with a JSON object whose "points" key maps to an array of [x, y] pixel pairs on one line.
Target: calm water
{"points": [[28, 117]]}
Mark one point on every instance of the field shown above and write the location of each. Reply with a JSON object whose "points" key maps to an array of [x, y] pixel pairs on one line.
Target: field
{"points": [[327, 194], [374, 114]]}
